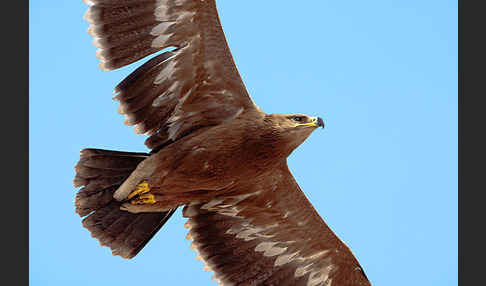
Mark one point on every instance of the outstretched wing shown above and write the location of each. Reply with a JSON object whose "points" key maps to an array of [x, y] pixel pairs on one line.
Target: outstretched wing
{"points": [[271, 235], [193, 86]]}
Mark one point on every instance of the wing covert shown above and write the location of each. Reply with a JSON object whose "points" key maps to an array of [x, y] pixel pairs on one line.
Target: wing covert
{"points": [[193, 86], [270, 235]]}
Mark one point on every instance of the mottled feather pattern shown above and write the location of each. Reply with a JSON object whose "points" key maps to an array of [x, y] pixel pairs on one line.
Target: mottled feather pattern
{"points": [[260, 231], [261, 239], [121, 31], [196, 85]]}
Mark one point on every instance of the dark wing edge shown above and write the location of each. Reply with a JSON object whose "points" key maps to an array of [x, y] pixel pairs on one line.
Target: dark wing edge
{"points": [[193, 86], [270, 234]]}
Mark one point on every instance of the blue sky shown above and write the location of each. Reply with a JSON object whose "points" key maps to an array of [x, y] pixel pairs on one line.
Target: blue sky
{"points": [[382, 174]]}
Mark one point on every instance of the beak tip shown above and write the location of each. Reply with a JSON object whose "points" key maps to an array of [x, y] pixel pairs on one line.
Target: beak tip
{"points": [[320, 122]]}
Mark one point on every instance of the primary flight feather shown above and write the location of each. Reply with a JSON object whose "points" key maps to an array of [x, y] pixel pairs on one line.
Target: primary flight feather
{"points": [[213, 152]]}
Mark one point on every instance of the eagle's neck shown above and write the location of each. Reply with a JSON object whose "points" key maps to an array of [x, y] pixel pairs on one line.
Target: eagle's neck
{"points": [[266, 145]]}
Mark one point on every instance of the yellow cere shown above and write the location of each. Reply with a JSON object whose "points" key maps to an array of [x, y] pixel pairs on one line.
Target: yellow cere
{"points": [[308, 124]]}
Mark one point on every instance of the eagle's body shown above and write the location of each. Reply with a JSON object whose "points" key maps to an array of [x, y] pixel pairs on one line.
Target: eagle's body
{"points": [[249, 146], [214, 152]]}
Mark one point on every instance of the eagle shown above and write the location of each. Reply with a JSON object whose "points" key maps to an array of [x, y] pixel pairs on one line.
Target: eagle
{"points": [[213, 152]]}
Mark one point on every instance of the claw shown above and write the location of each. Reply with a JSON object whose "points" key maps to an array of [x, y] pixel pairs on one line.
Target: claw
{"points": [[143, 199], [141, 189]]}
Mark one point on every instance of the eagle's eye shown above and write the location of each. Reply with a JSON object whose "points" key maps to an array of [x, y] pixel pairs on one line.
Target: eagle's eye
{"points": [[298, 118]]}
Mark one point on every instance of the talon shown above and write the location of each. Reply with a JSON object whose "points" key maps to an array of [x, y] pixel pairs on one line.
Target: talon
{"points": [[143, 199], [140, 189]]}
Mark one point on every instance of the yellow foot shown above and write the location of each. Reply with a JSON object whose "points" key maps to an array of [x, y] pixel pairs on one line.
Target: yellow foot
{"points": [[143, 199], [141, 188]]}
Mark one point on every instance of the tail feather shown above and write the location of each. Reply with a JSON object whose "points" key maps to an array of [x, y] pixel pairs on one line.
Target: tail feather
{"points": [[100, 173]]}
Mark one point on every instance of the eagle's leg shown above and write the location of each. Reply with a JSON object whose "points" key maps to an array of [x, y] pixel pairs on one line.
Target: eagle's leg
{"points": [[140, 189], [141, 200], [154, 203], [141, 195], [132, 186]]}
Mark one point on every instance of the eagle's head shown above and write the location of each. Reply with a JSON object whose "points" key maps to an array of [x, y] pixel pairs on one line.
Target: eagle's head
{"points": [[293, 129]]}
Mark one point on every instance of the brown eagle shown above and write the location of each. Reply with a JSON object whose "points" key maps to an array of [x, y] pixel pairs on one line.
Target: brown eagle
{"points": [[213, 152]]}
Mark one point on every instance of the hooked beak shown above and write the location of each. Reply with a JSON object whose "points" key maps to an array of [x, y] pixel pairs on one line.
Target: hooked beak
{"points": [[317, 122], [314, 122]]}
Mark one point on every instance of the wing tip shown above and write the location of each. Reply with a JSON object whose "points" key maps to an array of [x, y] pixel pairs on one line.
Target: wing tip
{"points": [[104, 67], [89, 2], [91, 15]]}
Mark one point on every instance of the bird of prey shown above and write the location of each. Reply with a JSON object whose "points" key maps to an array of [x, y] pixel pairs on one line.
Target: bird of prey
{"points": [[213, 152]]}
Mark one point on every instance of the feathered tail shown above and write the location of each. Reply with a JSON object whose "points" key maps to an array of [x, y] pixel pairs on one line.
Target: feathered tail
{"points": [[100, 173]]}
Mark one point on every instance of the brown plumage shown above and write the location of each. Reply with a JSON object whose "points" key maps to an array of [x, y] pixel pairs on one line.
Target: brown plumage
{"points": [[214, 152]]}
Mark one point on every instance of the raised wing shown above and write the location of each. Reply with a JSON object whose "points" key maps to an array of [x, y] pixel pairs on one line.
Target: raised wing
{"points": [[270, 236], [193, 86]]}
